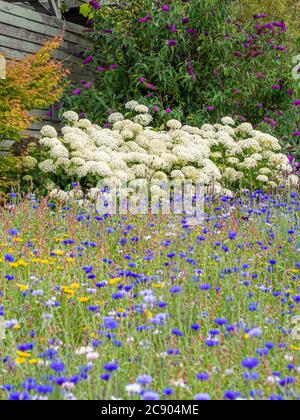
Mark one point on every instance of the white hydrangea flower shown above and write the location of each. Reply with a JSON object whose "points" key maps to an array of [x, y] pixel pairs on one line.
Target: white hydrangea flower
{"points": [[78, 161], [62, 162], [228, 121], [233, 161], [249, 163], [174, 125], [59, 151], [177, 174], [48, 131], [208, 127], [262, 178], [116, 117], [141, 109], [82, 171], [49, 142], [244, 128], [231, 175], [70, 116], [127, 134], [143, 119], [47, 166], [29, 162], [84, 123], [131, 105], [265, 171]]}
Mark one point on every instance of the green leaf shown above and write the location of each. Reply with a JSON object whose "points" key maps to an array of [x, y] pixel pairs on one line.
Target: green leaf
{"points": [[86, 10]]}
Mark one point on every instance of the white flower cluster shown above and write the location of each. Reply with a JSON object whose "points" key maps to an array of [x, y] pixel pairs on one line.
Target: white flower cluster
{"points": [[219, 156]]}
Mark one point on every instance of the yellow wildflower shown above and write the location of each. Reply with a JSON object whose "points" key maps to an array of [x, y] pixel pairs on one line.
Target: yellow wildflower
{"points": [[23, 288], [158, 286], [148, 314], [23, 354], [19, 240], [112, 282], [58, 253], [20, 360], [295, 348], [14, 265], [22, 263], [34, 361], [68, 291], [100, 302], [84, 299]]}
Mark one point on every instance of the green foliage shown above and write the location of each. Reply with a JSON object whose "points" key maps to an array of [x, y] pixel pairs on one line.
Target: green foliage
{"points": [[34, 82], [218, 66], [9, 175]]}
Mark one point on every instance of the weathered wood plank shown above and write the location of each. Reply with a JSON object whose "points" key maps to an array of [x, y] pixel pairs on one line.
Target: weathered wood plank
{"points": [[6, 144], [30, 47], [35, 38], [38, 17], [42, 28]]}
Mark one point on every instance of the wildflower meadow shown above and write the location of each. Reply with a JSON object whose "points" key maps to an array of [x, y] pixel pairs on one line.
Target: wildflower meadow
{"points": [[102, 307], [149, 233]]}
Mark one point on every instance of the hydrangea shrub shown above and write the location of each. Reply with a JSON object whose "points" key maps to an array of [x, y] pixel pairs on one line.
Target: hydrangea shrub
{"points": [[223, 157]]}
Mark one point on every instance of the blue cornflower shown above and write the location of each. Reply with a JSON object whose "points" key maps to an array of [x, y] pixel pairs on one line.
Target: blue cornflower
{"points": [[175, 289], [205, 287], [231, 395], [212, 343], [93, 308], [202, 397], [29, 385], [232, 235], [171, 255], [168, 391], [144, 379], [203, 377], [105, 376], [44, 389], [177, 332], [110, 367], [57, 367], [151, 396], [221, 321], [19, 396], [251, 363]]}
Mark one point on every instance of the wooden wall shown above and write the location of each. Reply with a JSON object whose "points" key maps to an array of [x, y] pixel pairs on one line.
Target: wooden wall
{"points": [[23, 31]]}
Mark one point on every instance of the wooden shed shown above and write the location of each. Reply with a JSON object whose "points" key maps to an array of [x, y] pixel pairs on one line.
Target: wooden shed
{"points": [[25, 26]]}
